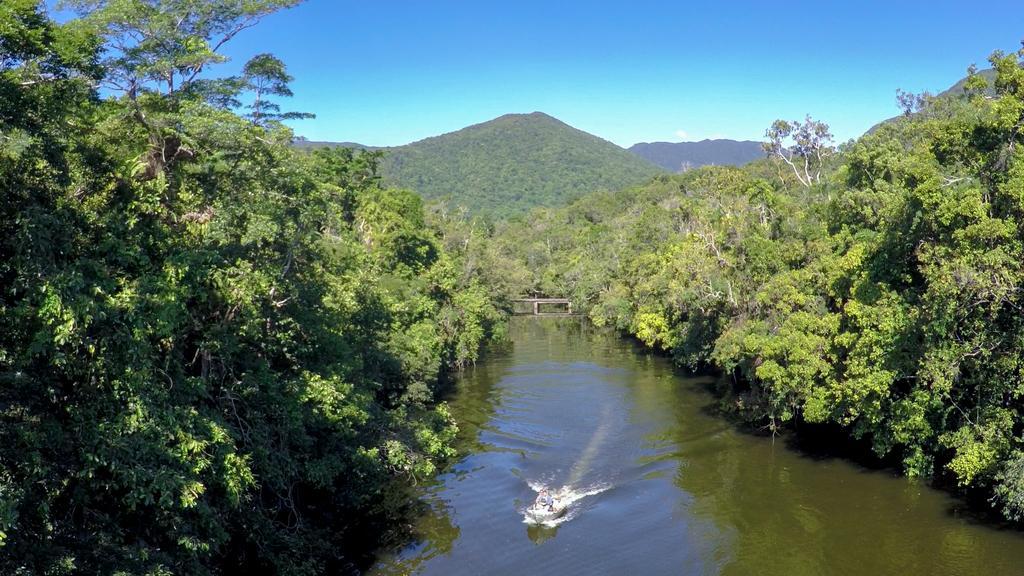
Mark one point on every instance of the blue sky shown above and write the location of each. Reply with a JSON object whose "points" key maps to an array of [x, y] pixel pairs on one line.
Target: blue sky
{"points": [[386, 72]]}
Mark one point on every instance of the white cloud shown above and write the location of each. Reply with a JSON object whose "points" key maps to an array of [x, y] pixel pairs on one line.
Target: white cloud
{"points": [[682, 134]]}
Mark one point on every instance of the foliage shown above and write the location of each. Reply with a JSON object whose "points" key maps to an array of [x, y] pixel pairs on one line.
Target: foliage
{"points": [[217, 354], [512, 164], [164, 45]]}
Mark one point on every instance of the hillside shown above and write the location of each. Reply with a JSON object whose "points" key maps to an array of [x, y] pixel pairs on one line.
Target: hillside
{"points": [[958, 89], [682, 156], [510, 164]]}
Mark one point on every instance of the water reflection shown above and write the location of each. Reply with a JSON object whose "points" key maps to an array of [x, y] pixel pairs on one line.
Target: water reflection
{"points": [[675, 490], [539, 533], [435, 534]]}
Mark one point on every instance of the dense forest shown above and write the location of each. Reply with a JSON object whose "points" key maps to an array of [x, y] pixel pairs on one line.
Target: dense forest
{"points": [[218, 354], [222, 353], [875, 287], [513, 163]]}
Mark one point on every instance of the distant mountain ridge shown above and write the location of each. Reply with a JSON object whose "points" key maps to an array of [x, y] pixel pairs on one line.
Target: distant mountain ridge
{"points": [[682, 156], [306, 143], [511, 164]]}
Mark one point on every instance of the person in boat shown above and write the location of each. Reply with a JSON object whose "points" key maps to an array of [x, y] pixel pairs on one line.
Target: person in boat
{"points": [[545, 500]]}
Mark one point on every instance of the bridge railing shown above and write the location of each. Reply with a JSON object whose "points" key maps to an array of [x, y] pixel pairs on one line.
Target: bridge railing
{"points": [[535, 304]]}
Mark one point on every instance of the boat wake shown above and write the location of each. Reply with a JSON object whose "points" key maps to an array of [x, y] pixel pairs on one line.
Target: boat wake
{"points": [[568, 495]]}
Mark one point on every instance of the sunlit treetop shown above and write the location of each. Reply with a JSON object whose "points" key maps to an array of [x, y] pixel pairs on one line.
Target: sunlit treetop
{"points": [[164, 45]]}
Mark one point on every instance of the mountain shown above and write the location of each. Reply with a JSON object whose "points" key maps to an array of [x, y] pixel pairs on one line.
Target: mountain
{"points": [[682, 156], [511, 164], [304, 143]]}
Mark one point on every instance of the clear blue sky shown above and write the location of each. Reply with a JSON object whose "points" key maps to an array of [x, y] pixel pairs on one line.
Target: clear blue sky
{"points": [[383, 72]]}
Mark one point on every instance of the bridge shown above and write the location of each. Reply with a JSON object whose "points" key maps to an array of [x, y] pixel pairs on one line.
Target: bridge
{"points": [[564, 305]]}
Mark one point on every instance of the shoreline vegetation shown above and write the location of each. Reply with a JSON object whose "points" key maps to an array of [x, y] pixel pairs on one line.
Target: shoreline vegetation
{"points": [[223, 354], [218, 354]]}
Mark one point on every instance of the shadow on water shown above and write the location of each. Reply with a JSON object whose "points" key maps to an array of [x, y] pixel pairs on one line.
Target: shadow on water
{"points": [[539, 533], [831, 442], [434, 535]]}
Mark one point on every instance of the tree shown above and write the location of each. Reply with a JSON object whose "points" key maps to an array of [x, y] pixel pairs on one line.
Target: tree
{"points": [[156, 51], [164, 45], [911, 103], [803, 146], [265, 75]]}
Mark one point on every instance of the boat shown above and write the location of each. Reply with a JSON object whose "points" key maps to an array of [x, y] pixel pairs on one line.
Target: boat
{"points": [[539, 513]]}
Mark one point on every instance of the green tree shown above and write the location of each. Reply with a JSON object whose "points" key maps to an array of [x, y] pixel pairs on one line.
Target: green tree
{"points": [[264, 75], [164, 45]]}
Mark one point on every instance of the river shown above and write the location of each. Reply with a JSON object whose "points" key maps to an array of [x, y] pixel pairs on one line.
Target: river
{"points": [[663, 484]]}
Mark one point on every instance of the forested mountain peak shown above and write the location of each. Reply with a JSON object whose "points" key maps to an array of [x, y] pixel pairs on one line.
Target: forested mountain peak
{"points": [[509, 165], [512, 117], [513, 163], [528, 121]]}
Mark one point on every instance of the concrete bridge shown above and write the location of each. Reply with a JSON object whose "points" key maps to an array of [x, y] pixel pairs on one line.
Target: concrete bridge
{"points": [[535, 303]]}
